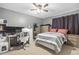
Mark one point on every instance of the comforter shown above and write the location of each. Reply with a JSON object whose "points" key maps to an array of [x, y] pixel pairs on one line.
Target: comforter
{"points": [[52, 38]]}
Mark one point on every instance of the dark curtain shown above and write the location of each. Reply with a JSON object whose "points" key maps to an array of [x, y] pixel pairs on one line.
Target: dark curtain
{"points": [[70, 22]]}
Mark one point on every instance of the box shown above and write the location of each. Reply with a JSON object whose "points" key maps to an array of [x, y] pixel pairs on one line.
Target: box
{"points": [[3, 47]]}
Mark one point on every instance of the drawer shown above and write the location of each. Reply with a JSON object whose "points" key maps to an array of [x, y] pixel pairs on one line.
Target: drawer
{"points": [[72, 39], [13, 41], [78, 43], [72, 42]]}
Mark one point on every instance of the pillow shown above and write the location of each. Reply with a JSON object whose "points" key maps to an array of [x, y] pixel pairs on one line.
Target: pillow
{"points": [[64, 31], [53, 30]]}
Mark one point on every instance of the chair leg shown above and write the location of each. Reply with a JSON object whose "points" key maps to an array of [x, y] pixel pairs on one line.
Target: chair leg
{"points": [[24, 46]]}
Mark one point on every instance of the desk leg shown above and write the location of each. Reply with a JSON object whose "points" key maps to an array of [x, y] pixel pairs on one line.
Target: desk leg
{"points": [[9, 43]]}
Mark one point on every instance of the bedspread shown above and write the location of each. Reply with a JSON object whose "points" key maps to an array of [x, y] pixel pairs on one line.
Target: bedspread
{"points": [[54, 38]]}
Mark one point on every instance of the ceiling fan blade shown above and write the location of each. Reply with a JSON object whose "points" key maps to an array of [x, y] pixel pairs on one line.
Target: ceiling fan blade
{"points": [[45, 5], [45, 10], [33, 9], [35, 4]]}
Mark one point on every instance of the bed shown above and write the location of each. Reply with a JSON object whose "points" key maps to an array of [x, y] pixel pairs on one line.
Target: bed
{"points": [[51, 40]]}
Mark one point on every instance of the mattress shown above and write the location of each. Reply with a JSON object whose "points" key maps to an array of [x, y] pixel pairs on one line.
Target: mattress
{"points": [[52, 39]]}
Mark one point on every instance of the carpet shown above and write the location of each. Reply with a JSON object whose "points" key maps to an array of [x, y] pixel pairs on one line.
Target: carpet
{"points": [[40, 50]]}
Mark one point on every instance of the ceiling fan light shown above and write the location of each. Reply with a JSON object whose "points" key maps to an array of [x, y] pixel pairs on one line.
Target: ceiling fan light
{"points": [[39, 8], [39, 11]]}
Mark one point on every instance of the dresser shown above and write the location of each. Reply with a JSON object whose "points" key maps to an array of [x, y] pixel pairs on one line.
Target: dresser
{"points": [[73, 40], [44, 28]]}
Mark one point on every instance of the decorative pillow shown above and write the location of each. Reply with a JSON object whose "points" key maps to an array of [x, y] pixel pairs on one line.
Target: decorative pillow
{"points": [[64, 31], [53, 30]]}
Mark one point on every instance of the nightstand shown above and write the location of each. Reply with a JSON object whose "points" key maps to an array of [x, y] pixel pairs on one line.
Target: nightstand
{"points": [[44, 28], [73, 40]]}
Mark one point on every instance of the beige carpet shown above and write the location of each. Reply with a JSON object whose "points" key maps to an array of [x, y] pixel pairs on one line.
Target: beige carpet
{"points": [[40, 50]]}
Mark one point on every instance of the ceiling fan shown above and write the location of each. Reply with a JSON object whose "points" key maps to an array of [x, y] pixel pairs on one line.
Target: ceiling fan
{"points": [[40, 7]]}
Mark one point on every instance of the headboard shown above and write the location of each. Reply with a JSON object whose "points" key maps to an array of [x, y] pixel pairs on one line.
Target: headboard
{"points": [[70, 22]]}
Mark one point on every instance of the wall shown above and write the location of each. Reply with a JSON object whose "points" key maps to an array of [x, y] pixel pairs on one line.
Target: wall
{"points": [[17, 19], [49, 19]]}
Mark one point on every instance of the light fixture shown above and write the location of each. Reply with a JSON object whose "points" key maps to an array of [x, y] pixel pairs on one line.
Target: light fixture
{"points": [[40, 8]]}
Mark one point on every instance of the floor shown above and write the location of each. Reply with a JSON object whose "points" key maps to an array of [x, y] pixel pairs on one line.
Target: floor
{"points": [[40, 50]]}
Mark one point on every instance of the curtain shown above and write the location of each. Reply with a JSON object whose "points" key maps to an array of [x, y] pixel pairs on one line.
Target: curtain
{"points": [[70, 22]]}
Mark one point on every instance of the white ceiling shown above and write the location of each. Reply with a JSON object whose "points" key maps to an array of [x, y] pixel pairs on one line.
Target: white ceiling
{"points": [[54, 8]]}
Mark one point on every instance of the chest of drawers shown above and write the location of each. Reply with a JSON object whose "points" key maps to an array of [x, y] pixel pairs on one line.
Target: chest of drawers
{"points": [[73, 40]]}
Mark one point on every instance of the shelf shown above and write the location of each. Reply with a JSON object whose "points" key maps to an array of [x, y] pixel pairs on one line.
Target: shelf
{"points": [[2, 24], [2, 30]]}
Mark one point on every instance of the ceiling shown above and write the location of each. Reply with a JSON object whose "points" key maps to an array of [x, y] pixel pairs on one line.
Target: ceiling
{"points": [[54, 8]]}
